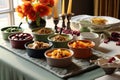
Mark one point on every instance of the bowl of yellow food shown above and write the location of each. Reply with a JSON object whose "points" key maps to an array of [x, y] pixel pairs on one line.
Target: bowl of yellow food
{"points": [[81, 48], [60, 40], [36, 49], [41, 34], [59, 57]]}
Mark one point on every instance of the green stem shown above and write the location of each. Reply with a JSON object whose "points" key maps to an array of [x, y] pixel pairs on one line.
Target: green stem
{"points": [[26, 20], [36, 0], [38, 21]]}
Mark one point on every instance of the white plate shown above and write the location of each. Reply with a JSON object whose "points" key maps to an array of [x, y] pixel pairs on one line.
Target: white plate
{"points": [[79, 17], [75, 21], [111, 21]]}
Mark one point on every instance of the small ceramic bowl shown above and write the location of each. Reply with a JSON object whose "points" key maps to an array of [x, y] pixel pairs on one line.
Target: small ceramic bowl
{"points": [[59, 62], [6, 31], [41, 34], [18, 40], [109, 70], [81, 48], [60, 44], [37, 53]]}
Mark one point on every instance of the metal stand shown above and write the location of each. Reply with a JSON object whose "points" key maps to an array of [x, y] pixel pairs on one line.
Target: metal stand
{"points": [[63, 23], [56, 21], [69, 18]]}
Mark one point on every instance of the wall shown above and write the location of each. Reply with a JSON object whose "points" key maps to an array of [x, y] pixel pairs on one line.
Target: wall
{"points": [[82, 7]]}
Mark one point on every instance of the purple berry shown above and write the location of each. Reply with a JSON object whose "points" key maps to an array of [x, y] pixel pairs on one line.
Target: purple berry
{"points": [[111, 60], [118, 43], [106, 40], [114, 38], [115, 34]]}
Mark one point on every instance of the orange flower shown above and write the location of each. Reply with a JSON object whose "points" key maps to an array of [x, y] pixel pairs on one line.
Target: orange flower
{"points": [[35, 9], [47, 2], [42, 10], [51, 3], [28, 0], [32, 15], [44, 2], [27, 8], [20, 12]]}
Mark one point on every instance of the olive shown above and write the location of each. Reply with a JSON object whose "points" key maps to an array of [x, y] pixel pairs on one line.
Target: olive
{"points": [[15, 39], [20, 35], [20, 38], [17, 35], [25, 35], [28, 37]]}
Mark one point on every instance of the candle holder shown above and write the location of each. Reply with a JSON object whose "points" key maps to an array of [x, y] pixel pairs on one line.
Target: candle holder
{"points": [[56, 21], [63, 22], [69, 18]]}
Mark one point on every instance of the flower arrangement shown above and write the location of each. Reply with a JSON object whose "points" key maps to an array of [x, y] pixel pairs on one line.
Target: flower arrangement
{"points": [[34, 10]]}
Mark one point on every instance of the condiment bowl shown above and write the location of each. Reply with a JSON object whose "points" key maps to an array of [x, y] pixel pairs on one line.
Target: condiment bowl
{"points": [[37, 52], [18, 40], [81, 48], [6, 31], [41, 34], [59, 43], [58, 60]]}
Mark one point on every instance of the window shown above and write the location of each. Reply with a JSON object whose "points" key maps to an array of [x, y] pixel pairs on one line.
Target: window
{"points": [[8, 16]]}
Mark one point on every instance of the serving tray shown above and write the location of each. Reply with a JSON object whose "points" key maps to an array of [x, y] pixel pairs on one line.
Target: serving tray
{"points": [[78, 66]]}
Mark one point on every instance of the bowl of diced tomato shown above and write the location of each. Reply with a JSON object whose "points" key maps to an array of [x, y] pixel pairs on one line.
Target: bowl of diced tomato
{"points": [[81, 48]]}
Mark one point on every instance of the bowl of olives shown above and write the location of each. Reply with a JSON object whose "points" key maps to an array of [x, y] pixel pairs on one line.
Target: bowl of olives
{"points": [[18, 40], [6, 31]]}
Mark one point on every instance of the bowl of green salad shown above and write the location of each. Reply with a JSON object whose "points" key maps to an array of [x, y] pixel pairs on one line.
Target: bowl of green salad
{"points": [[6, 31]]}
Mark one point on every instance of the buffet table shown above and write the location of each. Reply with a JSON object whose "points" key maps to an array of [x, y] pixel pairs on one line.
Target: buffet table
{"points": [[15, 67]]}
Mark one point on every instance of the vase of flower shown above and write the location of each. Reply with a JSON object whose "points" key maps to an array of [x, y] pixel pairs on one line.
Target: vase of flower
{"points": [[34, 25], [34, 11]]}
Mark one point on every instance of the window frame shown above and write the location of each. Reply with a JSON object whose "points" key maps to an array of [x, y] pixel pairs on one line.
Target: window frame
{"points": [[10, 11]]}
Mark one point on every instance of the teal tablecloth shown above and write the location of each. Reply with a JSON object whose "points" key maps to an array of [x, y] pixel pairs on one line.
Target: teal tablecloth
{"points": [[13, 67]]}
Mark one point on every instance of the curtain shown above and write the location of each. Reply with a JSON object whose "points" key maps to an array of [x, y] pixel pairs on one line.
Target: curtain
{"points": [[107, 8]]}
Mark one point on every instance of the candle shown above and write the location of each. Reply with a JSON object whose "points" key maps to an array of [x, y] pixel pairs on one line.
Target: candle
{"points": [[69, 7], [55, 12], [63, 7], [56, 2]]}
